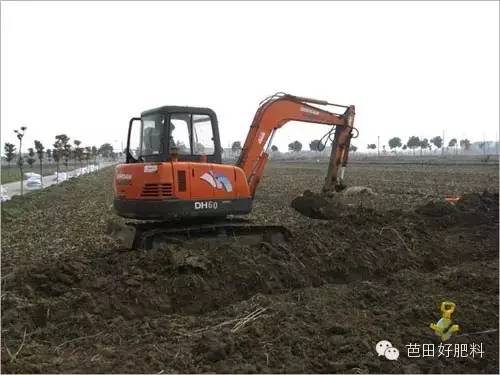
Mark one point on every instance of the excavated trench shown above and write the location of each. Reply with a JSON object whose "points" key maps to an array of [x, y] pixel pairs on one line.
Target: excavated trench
{"points": [[362, 244]]}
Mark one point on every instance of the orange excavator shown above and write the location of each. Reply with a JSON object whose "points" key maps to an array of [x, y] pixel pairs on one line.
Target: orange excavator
{"points": [[174, 178]]}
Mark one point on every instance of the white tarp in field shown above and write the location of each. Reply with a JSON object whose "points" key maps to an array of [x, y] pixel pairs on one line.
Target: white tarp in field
{"points": [[81, 171], [33, 180], [62, 176], [3, 194], [34, 183], [32, 175]]}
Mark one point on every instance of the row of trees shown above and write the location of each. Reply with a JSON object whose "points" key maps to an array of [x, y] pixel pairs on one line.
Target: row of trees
{"points": [[395, 143], [294, 146], [415, 142], [63, 151]]}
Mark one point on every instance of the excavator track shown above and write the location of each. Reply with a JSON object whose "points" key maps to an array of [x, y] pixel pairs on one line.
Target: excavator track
{"points": [[149, 235]]}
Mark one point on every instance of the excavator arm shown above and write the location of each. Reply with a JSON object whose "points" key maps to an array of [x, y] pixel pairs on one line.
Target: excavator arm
{"points": [[276, 111]]}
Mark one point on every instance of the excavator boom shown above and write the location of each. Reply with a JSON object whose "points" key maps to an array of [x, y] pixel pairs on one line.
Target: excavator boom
{"points": [[274, 113]]}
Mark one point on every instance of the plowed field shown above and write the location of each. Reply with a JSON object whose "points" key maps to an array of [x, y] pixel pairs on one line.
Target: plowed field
{"points": [[75, 301]]}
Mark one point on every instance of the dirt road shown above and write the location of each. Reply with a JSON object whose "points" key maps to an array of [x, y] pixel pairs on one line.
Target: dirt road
{"points": [[13, 188]]}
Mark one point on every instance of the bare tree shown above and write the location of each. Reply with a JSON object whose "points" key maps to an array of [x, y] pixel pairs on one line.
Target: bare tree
{"points": [[20, 134], [39, 150], [88, 153], [78, 151], [49, 155], [57, 152], [94, 153]]}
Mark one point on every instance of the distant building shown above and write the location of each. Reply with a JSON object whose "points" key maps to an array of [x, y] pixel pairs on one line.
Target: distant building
{"points": [[229, 155]]}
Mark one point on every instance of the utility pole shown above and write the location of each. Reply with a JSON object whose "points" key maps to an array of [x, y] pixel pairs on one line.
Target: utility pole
{"points": [[442, 146], [378, 145], [496, 144]]}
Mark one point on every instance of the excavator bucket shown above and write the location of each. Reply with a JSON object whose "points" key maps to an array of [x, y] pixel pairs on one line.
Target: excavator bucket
{"points": [[332, 206], [316, 206]]}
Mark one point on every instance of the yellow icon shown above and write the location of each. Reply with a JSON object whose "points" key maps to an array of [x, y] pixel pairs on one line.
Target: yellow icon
{"points": [[445, 327]]}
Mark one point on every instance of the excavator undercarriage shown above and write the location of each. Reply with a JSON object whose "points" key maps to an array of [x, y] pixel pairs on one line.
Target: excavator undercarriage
{"points": [[150, 235]]}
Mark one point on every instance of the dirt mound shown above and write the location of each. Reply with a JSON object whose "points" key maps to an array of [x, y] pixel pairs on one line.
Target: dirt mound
{"points": [[470, 209], [485, 202], [437, 209]]}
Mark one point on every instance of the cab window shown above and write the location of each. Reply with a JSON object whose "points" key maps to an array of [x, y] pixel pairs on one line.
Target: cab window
{"points": [[203, 137], [179, 134], [191, 134], [152, 130]]}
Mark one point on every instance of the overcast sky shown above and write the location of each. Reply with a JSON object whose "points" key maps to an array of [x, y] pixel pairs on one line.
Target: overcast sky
{"points": [[410, 68]]}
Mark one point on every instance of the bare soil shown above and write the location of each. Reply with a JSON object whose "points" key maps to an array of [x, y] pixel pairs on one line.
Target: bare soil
{"points": [[75, 301]]}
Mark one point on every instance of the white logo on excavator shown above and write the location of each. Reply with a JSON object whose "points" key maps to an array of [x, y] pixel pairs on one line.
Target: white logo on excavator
{"points": [[123, 176], [206, 205], [309, 110]]}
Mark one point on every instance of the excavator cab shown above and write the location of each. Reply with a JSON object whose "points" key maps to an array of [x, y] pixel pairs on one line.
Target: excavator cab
{"points": [[174, 169], [171, 132]]}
